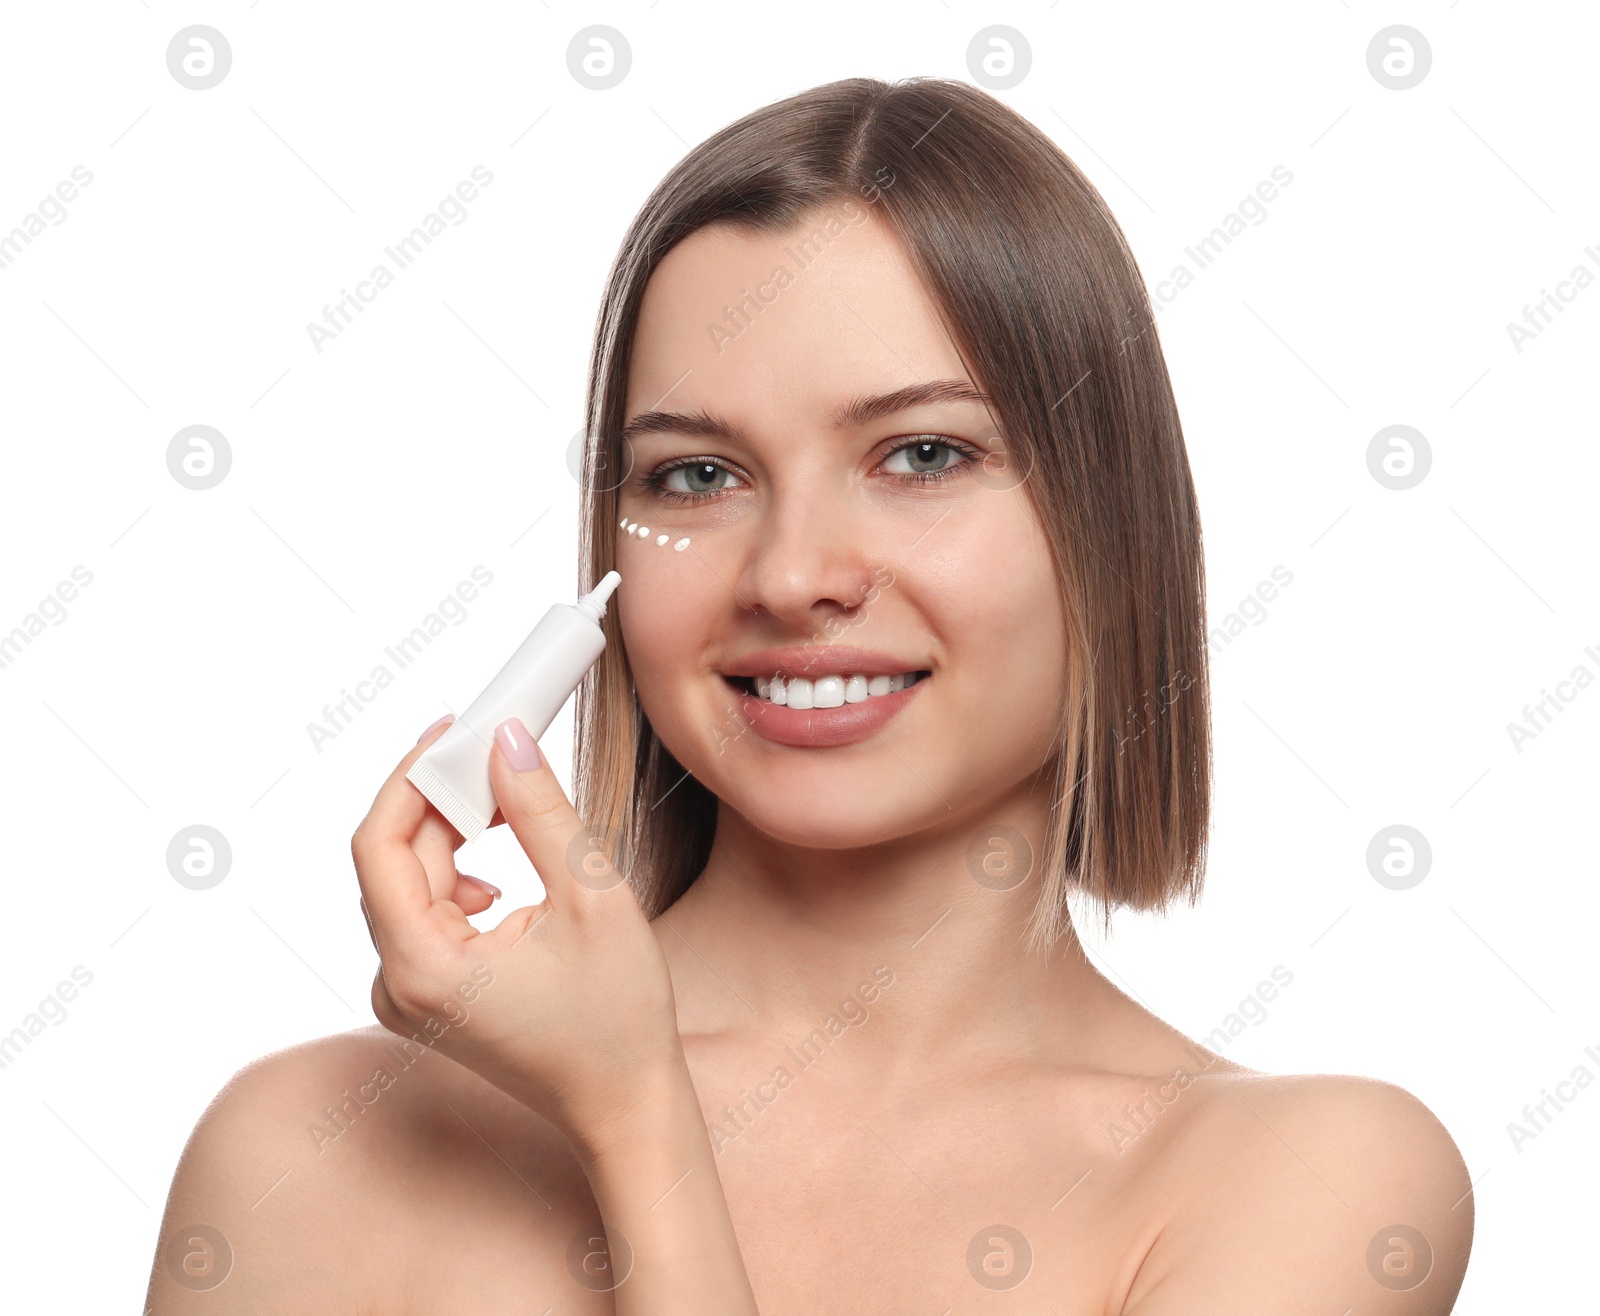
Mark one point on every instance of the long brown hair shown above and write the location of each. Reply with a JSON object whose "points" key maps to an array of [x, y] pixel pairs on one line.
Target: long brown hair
{"points": [[1045, 302]]}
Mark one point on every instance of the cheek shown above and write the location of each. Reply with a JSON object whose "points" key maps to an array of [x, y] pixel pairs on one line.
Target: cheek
{"points": [[994, 574], [669, 607], [1000, 612], [657, 576], [656, 612], [655, 641]]}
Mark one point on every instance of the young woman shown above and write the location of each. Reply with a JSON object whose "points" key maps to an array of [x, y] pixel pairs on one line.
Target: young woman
{"points": [[909, 644]]}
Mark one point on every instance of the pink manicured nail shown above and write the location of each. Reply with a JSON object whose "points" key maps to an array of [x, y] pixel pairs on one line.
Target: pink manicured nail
{"points": [[517, 745], [493, 891], [433, 726]]}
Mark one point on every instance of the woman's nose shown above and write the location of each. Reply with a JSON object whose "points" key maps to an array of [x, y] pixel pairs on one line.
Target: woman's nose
{"points": [[805, 565]]}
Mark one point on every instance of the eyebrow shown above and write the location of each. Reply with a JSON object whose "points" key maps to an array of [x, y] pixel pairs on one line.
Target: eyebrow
{"points": [[858, 411]]}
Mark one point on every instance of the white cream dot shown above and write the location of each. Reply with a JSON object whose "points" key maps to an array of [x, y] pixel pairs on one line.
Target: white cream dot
{"points": [[681, 545], [661, 539], [644, 532], [623, 522], [629, 525]]}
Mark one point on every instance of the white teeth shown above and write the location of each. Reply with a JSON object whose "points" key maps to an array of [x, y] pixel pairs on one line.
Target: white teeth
{"points": [[828, 691]]}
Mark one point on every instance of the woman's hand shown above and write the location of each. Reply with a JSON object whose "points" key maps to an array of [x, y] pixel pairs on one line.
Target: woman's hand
{"points": [[565, 1005]]}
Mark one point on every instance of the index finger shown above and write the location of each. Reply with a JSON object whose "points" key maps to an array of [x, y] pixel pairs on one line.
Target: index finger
{"points": [[393, 879]]}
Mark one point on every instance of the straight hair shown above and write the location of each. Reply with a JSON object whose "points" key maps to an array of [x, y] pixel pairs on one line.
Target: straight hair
{"points": [[1045, 303]]}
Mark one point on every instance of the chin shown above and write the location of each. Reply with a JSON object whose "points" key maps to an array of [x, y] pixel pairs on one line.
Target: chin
{"points": [[832, 808], [857, 833]]}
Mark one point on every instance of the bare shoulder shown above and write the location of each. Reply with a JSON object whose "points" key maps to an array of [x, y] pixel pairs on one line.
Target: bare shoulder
{"points": [[1293, 1193], [256, 1203], [312, 1178]]}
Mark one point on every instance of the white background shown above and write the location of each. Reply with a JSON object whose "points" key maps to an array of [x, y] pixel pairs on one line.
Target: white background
{"points": [[367, 480]]}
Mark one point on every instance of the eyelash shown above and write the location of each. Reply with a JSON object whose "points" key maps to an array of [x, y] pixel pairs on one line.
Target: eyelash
{"points": [[654, 484]]}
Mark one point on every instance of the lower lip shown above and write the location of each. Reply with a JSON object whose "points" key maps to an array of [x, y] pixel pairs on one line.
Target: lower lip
{"points": [[820, 728]]}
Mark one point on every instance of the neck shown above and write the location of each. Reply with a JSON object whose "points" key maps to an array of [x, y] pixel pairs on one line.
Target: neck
{"points": [[774, 942]]}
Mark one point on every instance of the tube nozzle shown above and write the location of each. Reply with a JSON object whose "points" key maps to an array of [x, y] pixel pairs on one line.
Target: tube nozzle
{"points": [[593, 604]]}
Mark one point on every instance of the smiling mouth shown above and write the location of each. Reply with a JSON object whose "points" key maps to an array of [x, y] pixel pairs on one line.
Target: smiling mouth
{"points": [[832, 691]]}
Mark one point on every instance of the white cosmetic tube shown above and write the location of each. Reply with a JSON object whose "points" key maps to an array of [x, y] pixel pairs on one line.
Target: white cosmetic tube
{"points": [[533, 685]]}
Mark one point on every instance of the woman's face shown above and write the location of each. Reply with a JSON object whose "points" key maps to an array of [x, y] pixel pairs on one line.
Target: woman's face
{"points": [[810, 530]]}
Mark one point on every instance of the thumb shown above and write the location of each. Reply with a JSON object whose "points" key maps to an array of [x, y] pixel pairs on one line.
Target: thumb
{"points": [[570, 856]]}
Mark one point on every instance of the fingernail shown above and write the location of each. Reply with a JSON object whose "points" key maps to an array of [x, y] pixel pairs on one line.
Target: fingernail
{"points": [[517, 745], [494, 891], [434, 725]]}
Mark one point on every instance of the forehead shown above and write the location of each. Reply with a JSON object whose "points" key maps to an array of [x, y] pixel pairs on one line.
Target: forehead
{"points": [[768, 323]]}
